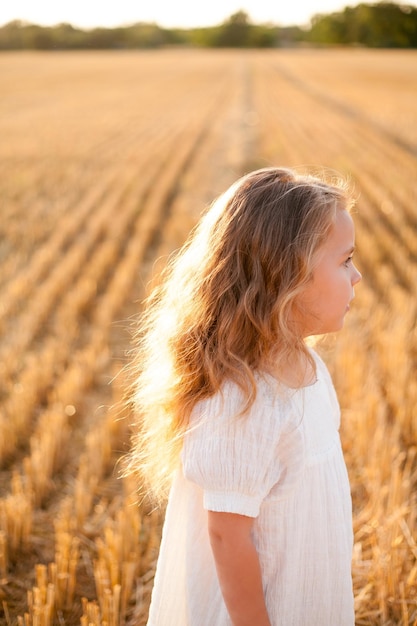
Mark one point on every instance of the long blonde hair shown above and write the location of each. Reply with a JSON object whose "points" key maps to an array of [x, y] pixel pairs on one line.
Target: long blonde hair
{"points": [[224, 305]]}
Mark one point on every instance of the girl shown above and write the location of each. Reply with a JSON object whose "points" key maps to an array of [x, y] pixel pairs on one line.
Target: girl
{"points": [[242, 414]]}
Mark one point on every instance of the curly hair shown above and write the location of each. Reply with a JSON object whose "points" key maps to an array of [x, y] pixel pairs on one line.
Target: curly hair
{"points": [[224, 307]]}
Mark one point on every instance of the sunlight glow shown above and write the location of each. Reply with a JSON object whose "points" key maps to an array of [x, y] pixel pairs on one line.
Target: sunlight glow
{"points": [[165, 13]]}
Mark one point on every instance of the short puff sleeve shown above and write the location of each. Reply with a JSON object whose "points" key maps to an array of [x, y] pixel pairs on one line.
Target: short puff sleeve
{"points": [[233, 457]]}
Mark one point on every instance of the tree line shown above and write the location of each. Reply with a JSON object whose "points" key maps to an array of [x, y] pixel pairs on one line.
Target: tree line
{"points": [[380, 25]]}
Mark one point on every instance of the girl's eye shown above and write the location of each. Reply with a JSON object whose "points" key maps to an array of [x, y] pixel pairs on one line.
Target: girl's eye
{"points": [[348, 261]]}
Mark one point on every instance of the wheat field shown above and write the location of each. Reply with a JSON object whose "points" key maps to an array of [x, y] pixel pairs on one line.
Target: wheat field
{"points": [[107, 160]]}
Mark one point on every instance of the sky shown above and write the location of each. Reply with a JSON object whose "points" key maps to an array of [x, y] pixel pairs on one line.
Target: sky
{"points": [[165, 13]]}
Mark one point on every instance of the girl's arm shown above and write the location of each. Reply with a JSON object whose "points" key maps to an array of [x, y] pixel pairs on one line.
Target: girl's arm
{"points": [[238, 568]]}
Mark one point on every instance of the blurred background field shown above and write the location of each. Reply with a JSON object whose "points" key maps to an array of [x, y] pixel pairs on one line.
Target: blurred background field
{"points": [[107, 159]]}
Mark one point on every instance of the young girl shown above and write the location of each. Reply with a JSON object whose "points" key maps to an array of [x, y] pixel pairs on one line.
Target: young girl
{"points": [[241, 415]]}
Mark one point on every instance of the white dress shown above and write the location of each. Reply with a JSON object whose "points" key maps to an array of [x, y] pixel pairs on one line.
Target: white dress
{"points": [[281, 464]]}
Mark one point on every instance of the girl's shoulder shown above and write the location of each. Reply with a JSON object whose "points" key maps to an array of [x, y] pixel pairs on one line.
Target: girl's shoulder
{"points": [[272, 403], [268, 411]]}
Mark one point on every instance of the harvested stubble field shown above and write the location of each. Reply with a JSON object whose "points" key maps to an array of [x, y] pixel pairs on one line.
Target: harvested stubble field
{"points": [[106, 161]]}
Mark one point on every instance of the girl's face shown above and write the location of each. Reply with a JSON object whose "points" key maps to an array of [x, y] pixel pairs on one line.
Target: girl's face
{"points": [[325, 301]]}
